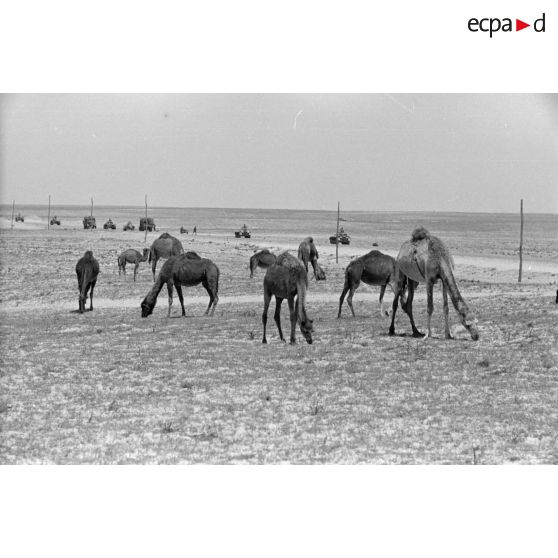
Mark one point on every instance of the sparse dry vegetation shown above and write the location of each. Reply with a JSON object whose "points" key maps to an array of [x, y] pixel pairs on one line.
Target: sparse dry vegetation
{"points": [[110, 387]]}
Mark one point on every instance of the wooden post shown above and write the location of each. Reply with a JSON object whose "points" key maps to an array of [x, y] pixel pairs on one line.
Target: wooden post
{"points": [[337, 236], [91, 207], [145, 238], [13, 209], [48, 218], [520, 243]]}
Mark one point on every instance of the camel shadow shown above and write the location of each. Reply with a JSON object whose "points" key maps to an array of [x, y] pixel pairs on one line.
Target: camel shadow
{"points": [[78, 312]]}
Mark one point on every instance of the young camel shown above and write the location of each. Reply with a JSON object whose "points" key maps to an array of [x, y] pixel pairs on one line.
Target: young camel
{"points": [[131, 256], [425, 259], [87, 270], [263, 259], [287, 278], [307, 252], [373, 268], [185, 270]]}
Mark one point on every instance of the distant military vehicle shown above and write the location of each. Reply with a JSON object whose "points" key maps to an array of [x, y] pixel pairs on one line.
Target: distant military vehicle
{"points": [[129, 226], [243, 232], [109, 224], [147, 223], [55, 221], [89, 222], [19, 217]]}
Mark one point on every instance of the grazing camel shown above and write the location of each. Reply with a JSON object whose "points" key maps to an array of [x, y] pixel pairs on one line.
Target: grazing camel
{"points": [[307, 252], [425, 259], [263, 259], [287, 278], [373, 268], [556, 296], [87, 270], [131, 256], [162, 248], [185, 270]]}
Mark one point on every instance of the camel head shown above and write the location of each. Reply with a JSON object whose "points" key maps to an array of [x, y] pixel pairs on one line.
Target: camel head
{"points": [[307, 328], [470, 322], [146, 308]]}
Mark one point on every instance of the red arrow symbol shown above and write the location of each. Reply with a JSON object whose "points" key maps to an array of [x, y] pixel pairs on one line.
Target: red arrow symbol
{"points": [[519, 25]]}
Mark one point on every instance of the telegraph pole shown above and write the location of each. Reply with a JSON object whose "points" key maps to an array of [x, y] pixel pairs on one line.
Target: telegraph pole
{"points": [[520, 243]]}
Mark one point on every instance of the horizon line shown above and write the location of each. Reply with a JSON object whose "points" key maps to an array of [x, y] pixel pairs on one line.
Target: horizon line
{"points": [[283, 209]]}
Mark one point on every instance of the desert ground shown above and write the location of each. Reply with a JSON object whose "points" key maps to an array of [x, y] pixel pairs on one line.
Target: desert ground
{"points": [[108, 387]]}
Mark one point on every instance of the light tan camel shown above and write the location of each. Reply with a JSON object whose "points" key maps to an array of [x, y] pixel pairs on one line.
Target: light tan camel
{"points": [[373, 268], [131, 256], [162, 248], [425, 259], [287, 278], [307, 252]]}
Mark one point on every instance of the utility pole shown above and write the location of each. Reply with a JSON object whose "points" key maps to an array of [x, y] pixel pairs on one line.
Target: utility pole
{"points": [[48, 218], [91, 207], [13, 209], [145, 238], [337, 236], [520, 243]]}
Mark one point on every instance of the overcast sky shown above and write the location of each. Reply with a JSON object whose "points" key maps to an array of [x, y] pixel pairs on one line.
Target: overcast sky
{"points": [[380, 152]]}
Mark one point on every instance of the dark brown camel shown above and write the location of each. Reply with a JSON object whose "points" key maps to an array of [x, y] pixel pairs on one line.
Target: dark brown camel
{"points": [[425, 259], [185, 270], [87, 270], [131, 256], [373, 268], [287, 278], [162, 248], [307, 252], [263, 259]]}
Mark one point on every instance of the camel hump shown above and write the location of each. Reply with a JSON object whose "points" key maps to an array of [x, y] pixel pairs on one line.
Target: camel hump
{"points": [[192, 255], [165, 235], [88, 255], [420, 233], [309, 239]]}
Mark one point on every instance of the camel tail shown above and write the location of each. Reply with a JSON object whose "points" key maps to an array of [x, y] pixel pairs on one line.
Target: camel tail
{"points": [[150, 255]]}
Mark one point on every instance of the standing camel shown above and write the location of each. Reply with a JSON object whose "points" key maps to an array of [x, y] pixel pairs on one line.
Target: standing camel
{"points": [[307, 252], [263, 259], [287, 278], [87, 270], [425, 259], [162, 248], [185, 270], [373, 268], [131, 256]]}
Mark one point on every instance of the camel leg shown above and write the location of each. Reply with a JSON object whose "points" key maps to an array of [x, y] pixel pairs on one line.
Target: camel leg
{"points": [[293, 314], [181, 298], [446, 311], [213, 297], [169, 289], [267, 300], [136, 270], [396, 294], [383, 312], [408, 307], [277, 316], [153, 267], [429, 307], [91, 295], [342, 297]]}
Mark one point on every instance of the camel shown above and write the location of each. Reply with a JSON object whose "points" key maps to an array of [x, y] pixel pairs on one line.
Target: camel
{"points": [[87, 270], [287, 278], [373, 268], [131, 256], [425, 259], [162, 248], [185, 270], [263, 259], [307, 252]]}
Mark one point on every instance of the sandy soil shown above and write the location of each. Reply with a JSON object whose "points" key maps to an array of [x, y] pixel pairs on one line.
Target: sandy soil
{"points": [[110, 387]]}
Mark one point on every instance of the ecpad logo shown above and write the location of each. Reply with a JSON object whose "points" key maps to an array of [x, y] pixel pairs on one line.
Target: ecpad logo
{"points": [[492, 25]]}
